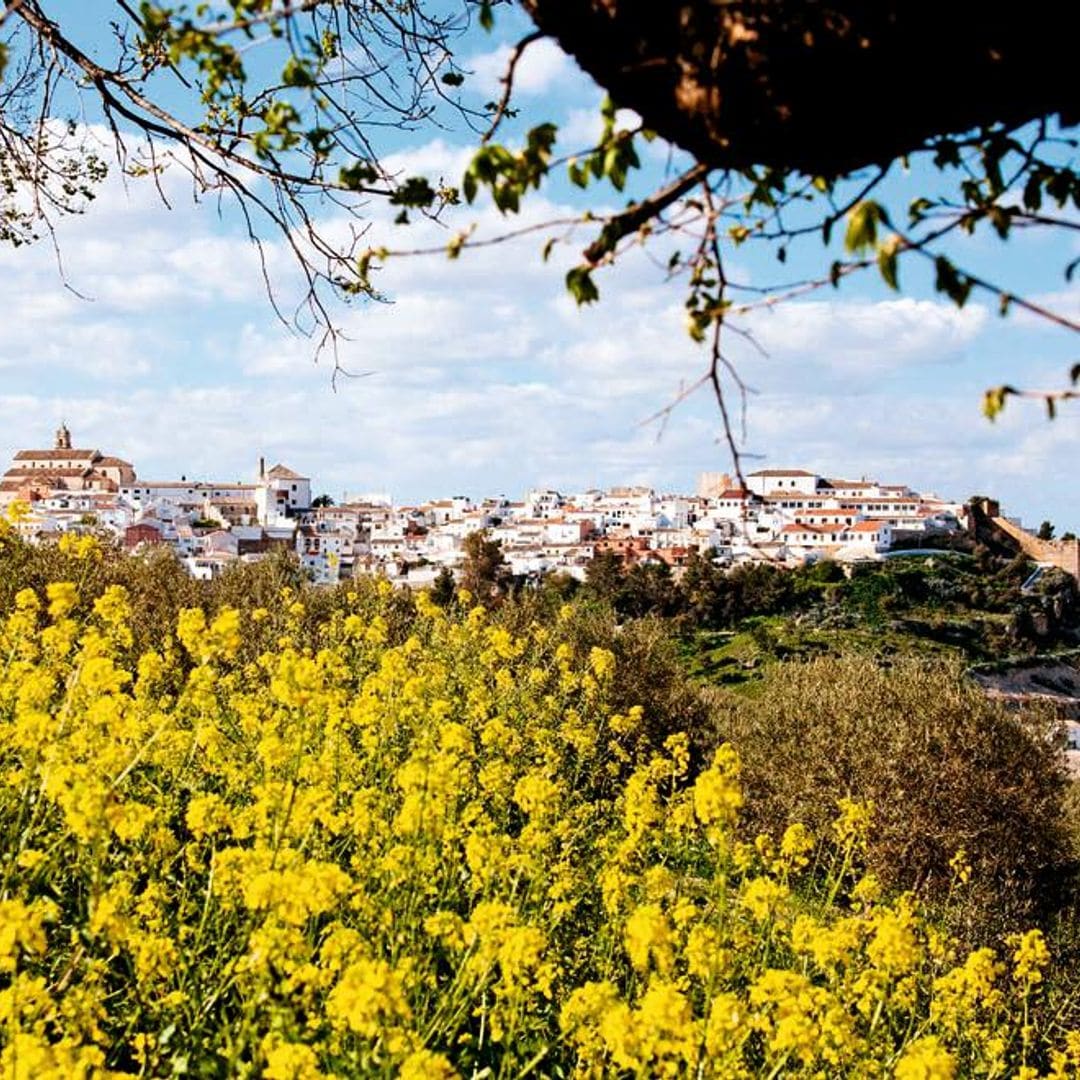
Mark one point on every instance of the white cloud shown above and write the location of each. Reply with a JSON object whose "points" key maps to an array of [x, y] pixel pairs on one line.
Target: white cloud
{"points": [[543, 67], [486, 377], [859, 343]]}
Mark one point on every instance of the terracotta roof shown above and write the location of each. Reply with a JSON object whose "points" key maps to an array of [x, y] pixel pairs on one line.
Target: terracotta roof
{"points": [[281, 472], [782, 472], [191, 485], [891, 500], [807, 528], [112, 462], [865, 526], [734, 493], [44, 474], [55, 455]]}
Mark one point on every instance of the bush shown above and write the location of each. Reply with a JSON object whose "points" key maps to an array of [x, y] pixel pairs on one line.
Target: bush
{"points": [[946, 769]]}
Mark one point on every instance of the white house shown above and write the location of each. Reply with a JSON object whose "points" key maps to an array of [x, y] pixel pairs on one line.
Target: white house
{"points": [[765, 481]]}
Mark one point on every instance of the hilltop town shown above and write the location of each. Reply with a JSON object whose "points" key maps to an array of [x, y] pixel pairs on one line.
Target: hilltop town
{"points": [[781, 515]]}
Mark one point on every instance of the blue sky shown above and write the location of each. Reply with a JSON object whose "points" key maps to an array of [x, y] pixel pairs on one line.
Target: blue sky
{"points": [[486, 379]]}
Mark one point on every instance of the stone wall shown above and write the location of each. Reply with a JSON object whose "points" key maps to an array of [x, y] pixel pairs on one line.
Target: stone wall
{"points": [[1064, 554]]}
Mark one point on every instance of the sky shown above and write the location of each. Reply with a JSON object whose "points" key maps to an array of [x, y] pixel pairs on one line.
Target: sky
{"points": [[157, 343]]}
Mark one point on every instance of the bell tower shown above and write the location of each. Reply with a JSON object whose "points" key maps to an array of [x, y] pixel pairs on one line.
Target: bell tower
{"points": [[63, 437]]}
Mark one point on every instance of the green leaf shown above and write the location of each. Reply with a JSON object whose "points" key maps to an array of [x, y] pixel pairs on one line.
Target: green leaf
{"points": [[1001, 219], [581, 286], [297, 72], [453, 78], [416, 191], [887, 263], [468, 186], [548, 245], [951, 282], [993, 403], [1074, 374], [863, 221], [357, 175], [1033, 192], [487, 16], [994, 400]]}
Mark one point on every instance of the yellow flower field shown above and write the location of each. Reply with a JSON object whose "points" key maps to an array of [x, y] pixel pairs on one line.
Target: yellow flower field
{"points": [[441, 856]]}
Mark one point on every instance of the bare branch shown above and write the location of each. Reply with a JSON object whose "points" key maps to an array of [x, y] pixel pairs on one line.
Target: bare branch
{"points": [[507, 81]]}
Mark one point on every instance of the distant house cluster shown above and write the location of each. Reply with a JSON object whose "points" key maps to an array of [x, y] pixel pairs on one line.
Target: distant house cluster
{"points": [[786, 516]]}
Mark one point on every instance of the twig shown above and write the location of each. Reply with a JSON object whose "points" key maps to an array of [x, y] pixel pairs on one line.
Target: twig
{"points": [[636, 215], [507, 80]]}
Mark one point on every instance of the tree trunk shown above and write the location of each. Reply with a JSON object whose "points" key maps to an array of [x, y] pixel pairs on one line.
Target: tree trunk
{"points": [[821, 87]]}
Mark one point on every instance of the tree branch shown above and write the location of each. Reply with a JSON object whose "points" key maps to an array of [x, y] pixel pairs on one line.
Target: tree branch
{"points": [[631, 219], [508, 81]]}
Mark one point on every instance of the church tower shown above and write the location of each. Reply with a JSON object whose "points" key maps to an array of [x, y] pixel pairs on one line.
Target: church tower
{"points": [[63, 437]]}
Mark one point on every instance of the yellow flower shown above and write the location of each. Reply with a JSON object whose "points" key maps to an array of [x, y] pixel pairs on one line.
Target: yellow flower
{"points": [[894, 947], [960, 867], [369, 998], [852, 827], [762, 897], [63, 596], [537, 795], [648, 936], [727, 1025], [717, 795], [1030, 957], [867, 889], [795, 848], [926, 1059], [960, 992], [113, 607], [207, 814], [830, 946], [601, 663], [426, 1065], [290, 1061], [22, 929], [79, 547]]}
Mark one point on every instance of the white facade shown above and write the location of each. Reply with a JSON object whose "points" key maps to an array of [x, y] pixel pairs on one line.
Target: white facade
{"points": [[766, 481]]}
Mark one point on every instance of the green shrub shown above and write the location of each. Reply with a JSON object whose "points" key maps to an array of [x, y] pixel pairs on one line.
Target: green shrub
{"points": [[947, 770]]}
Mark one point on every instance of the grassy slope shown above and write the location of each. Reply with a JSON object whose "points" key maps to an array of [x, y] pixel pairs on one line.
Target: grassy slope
{"points": [[936, 607]]}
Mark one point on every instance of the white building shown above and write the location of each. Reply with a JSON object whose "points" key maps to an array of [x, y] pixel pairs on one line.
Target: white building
{"points": [[766, 481]]}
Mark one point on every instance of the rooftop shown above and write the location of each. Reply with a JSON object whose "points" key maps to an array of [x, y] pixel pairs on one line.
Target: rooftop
{"points": [[56, 455], [282, 472]]}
